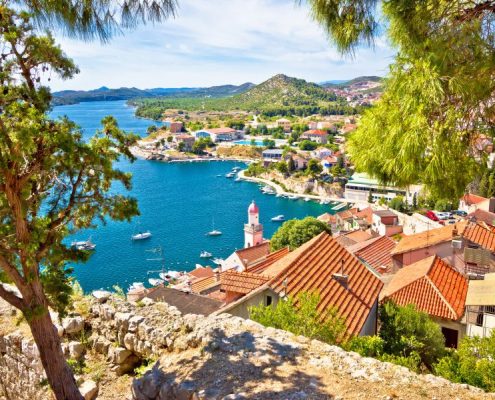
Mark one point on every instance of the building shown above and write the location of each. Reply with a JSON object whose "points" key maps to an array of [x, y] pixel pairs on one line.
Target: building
{"points": [[284, 123], [271, 155], [321, 153], [253, 230], [375, 253], [327, 126], [328, 162], [299, 162], [480, 307], [316, 135], [242, 259], [320, 265], [217, 134], [480, 215], [361, 185], [435, 288], [347, 239], [472, 202], [188, 141], [385, 223], [176, 127]]}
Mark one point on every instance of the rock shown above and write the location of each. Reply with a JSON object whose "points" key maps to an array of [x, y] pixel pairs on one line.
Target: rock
{"points": [[76, 350], [129, 340], [89, 390], [185, 390], [119, 355], [60, 330], [73, 325], [127, 366], [134, 323], [147, 301]]}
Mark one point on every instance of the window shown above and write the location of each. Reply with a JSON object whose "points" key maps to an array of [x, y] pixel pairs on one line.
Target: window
{"points": [[268, 301]]}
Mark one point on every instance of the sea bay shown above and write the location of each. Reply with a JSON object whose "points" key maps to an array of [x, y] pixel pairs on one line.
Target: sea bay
{"points": [[178, 203]]}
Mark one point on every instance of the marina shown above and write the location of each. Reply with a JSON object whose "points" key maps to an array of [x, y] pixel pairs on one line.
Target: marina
{"points": [[177, 202]]}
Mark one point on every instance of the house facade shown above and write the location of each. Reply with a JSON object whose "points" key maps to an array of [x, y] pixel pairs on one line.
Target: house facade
{"points": [[316, 135], [217, 134]]}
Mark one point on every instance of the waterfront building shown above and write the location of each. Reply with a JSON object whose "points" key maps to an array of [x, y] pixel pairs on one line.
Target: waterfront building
{"points": [[360, 185], [217, 134], [176, 126], [271, 155], [253, 230], [188, 141]]}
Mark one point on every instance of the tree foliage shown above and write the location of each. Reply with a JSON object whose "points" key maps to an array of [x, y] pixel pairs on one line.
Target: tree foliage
{"points": [[295, 232], [438, 95], [409, 333], [302, 317]]}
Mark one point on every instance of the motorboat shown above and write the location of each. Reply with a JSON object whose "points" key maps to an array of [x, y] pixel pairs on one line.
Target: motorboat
{"points": [[278, 218], [164, 276], [205, 254], [218, 261], [156, 281], [141, 235], [136, 287], [293, 197], [83, 245], [307, 199], [267, 190], [230, 175]]}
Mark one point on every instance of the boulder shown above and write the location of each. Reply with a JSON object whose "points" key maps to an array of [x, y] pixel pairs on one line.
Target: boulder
{"points": [[73, 325], [119, 355], [89, 390], [76, 350]]}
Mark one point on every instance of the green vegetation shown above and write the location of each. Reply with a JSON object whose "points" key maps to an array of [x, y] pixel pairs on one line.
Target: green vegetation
{"points": [[301, 319], [398, 203], [473, 363], [295, 232], [314, 167], [308, 145], [437, 97], [278, 96]]}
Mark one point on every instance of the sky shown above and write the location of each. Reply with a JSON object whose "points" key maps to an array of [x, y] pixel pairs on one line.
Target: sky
{"points": [[219, 42]]}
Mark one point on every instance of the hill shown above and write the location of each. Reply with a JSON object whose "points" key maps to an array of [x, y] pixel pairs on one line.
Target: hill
{"points": [[352, 82], [104, 94], [279, 95]]}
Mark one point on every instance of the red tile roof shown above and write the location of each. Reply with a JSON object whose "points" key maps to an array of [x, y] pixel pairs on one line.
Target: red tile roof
{"points": [[261, 266], [252, 254], [311, 268], [366, 214], [377, 254], [353, 237], [481, 235], [470, 199], [428, 238], [317, 132], [201, 272], [328, 218], [432, 285], [241, 282], [203, 284], [484, 216]]}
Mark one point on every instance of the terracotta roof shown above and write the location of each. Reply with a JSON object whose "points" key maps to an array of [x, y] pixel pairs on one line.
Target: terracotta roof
{"points": [[432, 285], [186, 303], [385, 213], [481, 235], [347, 213], [252, 254], [428, 238], [261, 266], [311, 268], [203, 284], [470, 199], [377, 254], [317, 132], [201, 272], [484, 216], [328, 218], [366, 214], [353, 237], [242, 282]]}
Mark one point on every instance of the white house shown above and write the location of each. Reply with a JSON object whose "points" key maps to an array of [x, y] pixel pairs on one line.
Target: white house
{"points": [[217, 134]]}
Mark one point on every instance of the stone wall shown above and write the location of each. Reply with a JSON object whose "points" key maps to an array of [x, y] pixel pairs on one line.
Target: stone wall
{"points": [[215, 357]]}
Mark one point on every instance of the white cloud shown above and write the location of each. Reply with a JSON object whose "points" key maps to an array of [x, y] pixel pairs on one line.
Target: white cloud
{"points": [[225, 41]]}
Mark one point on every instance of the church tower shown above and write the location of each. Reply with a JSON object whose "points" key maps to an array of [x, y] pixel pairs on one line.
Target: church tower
{"points": [[253, 230]]}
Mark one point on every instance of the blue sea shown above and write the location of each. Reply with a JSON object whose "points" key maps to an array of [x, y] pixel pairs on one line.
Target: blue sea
{"points": [[179, 202]]}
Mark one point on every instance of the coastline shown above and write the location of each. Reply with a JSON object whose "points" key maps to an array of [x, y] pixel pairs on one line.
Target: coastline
{"points": [[139, 153]]}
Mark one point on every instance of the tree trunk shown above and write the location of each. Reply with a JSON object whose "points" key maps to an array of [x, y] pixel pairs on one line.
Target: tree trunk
{"points": [[58, 373]]}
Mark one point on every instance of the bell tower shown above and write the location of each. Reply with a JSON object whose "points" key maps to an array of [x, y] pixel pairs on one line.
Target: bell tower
{"points": [[253, 230]]}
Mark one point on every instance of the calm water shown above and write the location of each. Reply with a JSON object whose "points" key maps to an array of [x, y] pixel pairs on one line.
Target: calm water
{"points": [[178, 203]]}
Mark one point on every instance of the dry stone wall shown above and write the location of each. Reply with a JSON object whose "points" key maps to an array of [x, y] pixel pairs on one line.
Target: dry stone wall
{"points": [[215, 357]]}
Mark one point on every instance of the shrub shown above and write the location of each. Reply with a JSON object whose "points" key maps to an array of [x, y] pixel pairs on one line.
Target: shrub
{"points": [[295, 232]]}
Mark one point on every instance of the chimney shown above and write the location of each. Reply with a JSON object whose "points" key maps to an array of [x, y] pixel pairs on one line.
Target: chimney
{"points": [[341, 277], [217, 275]]}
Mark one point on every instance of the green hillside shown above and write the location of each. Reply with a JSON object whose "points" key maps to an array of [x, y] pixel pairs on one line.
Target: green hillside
{"points": [[352, 82], [279, 95]]}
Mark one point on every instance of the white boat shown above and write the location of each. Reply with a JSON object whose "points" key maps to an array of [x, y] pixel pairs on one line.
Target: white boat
{"points": [[83, 245], [156, 281], [164, 276], [214, 232], [237, 179], [205, 254], [278, 218], [307, 199], [293, 197], [141, 235], [218, 261], [230, 175]]}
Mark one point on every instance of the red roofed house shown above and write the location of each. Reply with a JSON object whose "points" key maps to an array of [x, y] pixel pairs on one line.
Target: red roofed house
{"points": [[188, 141], [320, 265], [316, 135], [435, 288], [472, 202], [375, 253], [385, 223], [217, 134]]}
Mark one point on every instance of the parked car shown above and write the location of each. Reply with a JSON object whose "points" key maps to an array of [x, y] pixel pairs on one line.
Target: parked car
{"points": [[460, 213], [431, 215], [443, 216]]}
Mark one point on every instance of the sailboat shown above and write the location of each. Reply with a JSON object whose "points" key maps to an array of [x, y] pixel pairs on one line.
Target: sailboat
{"points": [[141, 235], [214, 232]]}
